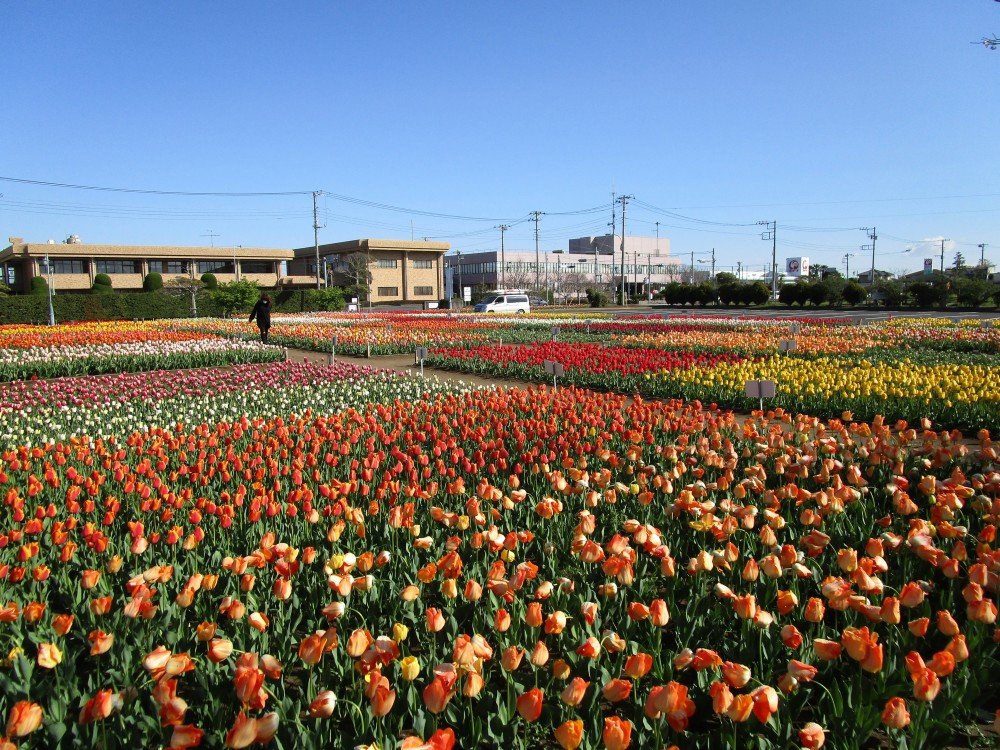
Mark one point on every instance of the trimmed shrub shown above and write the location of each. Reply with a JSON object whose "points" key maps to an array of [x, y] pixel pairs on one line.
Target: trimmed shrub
{"points": [[152, 282], [211, 283], [39, 286], [102, 284]]}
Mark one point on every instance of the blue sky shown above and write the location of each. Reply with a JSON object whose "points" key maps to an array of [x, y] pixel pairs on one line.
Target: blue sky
{"points": [[714, 115]]}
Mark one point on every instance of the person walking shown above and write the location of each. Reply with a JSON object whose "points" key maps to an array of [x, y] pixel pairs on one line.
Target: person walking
{"points": [[262, 311]]}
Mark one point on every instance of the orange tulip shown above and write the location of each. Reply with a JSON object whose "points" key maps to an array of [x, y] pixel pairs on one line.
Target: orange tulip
{"points": [[926, 685], [573, 693], [49, 655], [735, 675], [243, 733], [533, 615], [555, 623], [311, 649], [765, 703], [811, 736], [722, 697], [529, 705], [740, 708], [638, 665], [511, 657], [100, 707], [591, 648], [674, 703], [435, 620], [815, 610], [617, 690], [323, 705], [219, 649], [918, 627], [569, 734], [24, 718], [895, 714], [439, 693], [184, 737], [658, 613], [911, 595], [100, 642], [617, 733]]}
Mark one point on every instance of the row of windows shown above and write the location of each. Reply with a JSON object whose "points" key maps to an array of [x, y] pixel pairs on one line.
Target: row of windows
{"points": [[394, 263], [393, 291], [169, 267], [515, 266]]}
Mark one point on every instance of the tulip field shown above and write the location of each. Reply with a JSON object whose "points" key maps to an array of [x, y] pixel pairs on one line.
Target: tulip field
{"points": [[269, 553]]}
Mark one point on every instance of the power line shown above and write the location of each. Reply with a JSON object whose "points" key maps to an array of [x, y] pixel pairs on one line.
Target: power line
{"points": [[43, 183]]}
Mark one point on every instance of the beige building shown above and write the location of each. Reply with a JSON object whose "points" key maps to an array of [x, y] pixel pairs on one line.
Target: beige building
{"points": [[400, 270], [74, 264]]}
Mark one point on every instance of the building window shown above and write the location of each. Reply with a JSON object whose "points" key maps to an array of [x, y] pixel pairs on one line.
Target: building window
{"points": [[175, 267], [215, 266], [69, 266], [257, 266], [388, 291], [423, 264], [383, 263], [425, 291], [118, 266]]}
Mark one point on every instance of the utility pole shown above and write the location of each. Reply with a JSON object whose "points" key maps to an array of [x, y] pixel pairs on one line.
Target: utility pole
{"points": [[316, 194], [872, 236], [713, 264], [739, 270], [536, 215], [942, 256], [982, 253], [691, 271], [624, 201], [503, 258], [847, 264], [211, 235], [772, 234]]}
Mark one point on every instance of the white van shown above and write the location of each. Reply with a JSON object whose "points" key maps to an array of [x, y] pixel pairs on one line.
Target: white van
{"points": [[504, 301]]}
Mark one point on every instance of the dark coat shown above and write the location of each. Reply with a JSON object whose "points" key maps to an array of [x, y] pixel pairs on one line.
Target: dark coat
{"points": [[262, 311]]}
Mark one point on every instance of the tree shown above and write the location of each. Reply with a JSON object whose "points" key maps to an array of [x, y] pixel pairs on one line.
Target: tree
{"points": [[973, 292], [236, 296], [891, 291], [854, 293], [330, 299], [102, 284], [959, 262], [756, 293], [358, 272], [922, 293], [729, 292], [152, 282], [724, 277], [791, 294], [185, 286], [39, 286]]}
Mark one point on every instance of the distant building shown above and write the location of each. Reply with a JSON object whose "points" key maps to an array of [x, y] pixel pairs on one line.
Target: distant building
{"points": [[589, 263], [401, 270], [74, 264]]}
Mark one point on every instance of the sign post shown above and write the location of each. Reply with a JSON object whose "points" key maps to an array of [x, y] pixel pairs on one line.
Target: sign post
{"points": [[760, 389], [555, 332], [333, 350], [556, 370], [421, 354]]}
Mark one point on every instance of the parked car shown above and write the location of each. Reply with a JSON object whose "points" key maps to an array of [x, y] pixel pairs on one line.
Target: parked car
{"points": [[537, 301], [504, 301]]}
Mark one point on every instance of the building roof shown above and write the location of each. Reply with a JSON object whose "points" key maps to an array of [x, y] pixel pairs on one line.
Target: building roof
{"points": [[20, 249], [368, 245]]}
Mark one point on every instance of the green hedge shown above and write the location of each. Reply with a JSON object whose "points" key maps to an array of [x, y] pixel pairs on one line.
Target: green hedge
{"points": [[119, 306]]}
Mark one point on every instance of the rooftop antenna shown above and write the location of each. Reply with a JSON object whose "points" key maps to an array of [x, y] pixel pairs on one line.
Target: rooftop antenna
{"points": [[211, 235]]}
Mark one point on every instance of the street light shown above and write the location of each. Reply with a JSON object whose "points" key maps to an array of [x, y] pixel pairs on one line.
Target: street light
{"points": [[47, 265]]}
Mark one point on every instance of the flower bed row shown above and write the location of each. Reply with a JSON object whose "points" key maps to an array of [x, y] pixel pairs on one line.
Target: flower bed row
{"points": [[518, 568], [952, 390], [47, 411]]}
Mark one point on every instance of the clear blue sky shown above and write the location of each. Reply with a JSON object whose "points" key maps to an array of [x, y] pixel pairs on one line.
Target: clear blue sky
{"points": [[833, 115]]}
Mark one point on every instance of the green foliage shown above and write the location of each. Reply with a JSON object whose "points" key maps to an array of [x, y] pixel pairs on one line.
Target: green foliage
{"points": [[854, 293], [596, 298], [152, 282], [973, 292], [330, 299], [39, 286], [120, 306], [236, 296], [211, 283], [4, 289], [793, 294], [892, 292], [925, 294], [724, 277], [102, 284], [756, 293]]}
